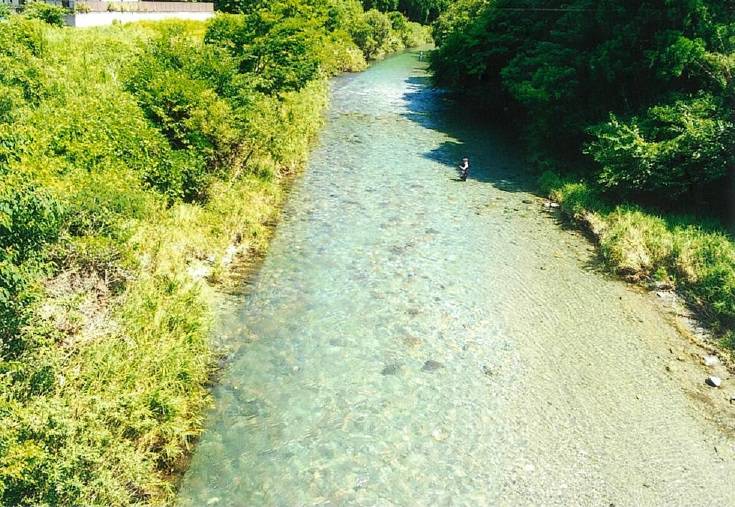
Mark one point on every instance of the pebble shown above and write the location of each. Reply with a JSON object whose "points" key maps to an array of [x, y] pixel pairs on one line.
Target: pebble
{"points": [[432, 365], [711, 360], [661, 286], [714, 381], [361, 482], [439, 435], [391, 369]]}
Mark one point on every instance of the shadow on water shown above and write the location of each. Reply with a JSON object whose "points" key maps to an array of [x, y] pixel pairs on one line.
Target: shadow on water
{"points": [[495, 154]]}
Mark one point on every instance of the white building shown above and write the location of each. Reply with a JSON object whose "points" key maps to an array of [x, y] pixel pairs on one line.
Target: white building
{"points": [[85, 13]]}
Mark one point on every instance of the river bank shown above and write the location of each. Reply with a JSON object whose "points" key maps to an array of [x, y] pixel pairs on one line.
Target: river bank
{"points": [[411, 339], [640, 154], [691, 257], [140, 164]]}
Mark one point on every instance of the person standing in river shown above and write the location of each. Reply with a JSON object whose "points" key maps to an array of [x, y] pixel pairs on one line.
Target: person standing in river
{"points": [[464, 169]]}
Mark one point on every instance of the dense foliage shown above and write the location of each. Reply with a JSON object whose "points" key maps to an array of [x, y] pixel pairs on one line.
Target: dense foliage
{"points": [[340, 12], [636, 98], [423, 11], [131, 157], [377, 29], [49, 13], [645, 88]]}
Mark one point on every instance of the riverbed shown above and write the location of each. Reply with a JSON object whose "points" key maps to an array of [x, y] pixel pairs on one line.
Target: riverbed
{"points": [[412, 339]]}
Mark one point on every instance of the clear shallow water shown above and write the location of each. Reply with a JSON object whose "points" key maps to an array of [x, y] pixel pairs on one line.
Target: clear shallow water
{"points": [[413, 340]]}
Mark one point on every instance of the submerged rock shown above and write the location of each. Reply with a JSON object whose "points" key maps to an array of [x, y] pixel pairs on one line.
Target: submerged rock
{"points": [[391, 369], [713, 381], [361, 482], [432, 365]]}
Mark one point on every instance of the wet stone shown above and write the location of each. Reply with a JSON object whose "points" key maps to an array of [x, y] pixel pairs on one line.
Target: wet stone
{"points": [[391, 369], [711, 360], [361, 482], [432, 365], [397, 250], [713, 381]]}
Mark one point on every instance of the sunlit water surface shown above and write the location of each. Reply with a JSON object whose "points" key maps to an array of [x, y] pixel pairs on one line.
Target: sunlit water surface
{"points": [[415, 340]]}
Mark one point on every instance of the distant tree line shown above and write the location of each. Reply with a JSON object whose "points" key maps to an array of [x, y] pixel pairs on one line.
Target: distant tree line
{"points": [[422, 11]]}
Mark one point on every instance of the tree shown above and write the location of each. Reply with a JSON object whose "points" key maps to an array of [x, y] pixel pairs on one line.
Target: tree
{"points": [[661, 67]]}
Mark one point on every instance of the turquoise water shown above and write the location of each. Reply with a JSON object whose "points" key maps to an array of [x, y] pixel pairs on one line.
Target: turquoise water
{"points": [[415, 340]]}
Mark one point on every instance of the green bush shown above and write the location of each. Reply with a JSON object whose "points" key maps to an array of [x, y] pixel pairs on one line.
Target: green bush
{"points": [[48, 13], [424, 11], [5, 11], [670, 151], [22, 43], [30, 219], [104, 203], [575, 198], [183, 88], [372, 34], [549, 181], [705, 265]]}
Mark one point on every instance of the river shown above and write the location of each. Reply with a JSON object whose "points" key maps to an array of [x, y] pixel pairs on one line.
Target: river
{"points": [[416, 340]]}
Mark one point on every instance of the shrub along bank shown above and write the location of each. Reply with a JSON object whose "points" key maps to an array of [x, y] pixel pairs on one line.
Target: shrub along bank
{"points": [[131, 158]]}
